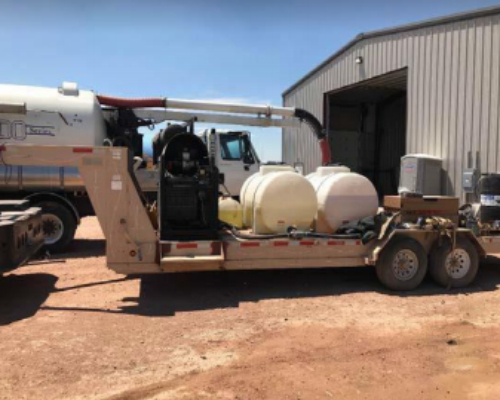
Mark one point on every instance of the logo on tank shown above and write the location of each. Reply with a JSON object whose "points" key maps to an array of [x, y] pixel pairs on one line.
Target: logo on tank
{"points": [[18, 130]]}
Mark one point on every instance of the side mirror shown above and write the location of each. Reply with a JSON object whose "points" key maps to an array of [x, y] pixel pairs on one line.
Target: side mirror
{"points": [[248, 159]]}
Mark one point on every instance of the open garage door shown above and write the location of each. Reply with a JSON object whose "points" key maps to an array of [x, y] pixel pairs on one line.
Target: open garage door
{"points": [[366, 126]]}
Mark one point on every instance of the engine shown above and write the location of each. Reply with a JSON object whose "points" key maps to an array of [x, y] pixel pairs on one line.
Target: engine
{"points": [[189, 188]]}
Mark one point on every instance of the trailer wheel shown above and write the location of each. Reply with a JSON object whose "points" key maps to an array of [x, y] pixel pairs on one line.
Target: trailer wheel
{"points": [[58, 225], [402, 264], [454, 268]]}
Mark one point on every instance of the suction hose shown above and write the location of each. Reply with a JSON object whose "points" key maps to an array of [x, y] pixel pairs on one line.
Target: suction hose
{"points": [[301, 114], [317, 128]]}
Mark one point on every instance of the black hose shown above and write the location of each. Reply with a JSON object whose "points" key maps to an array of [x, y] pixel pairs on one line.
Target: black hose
{"points": [[312, 121], [317, 128], [291, 234], [327, 236]]}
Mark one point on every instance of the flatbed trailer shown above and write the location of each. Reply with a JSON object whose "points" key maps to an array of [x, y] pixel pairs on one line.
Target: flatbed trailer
{"points": [[400, 256]]}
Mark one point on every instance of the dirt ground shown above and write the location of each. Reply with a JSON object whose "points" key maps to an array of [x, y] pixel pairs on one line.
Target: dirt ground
{"points": [[70, 328]]}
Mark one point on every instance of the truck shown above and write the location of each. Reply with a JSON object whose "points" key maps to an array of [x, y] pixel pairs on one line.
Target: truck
{"points": [[182, 232], [70, 116]]}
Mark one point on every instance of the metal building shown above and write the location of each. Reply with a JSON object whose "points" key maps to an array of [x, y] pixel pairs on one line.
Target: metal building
{"points": [[431, 87]]}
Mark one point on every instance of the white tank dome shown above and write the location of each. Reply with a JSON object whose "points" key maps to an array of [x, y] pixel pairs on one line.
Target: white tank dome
{"points": [[274, 200], [281, 200], [317, 177], [248, 188], [343, 197]]}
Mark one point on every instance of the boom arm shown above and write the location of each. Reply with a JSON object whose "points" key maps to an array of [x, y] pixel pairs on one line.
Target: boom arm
{"points": [[233, 114]]}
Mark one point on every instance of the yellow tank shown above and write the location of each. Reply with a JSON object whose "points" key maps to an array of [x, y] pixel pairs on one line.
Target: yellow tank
{"points": [[230, 211]]}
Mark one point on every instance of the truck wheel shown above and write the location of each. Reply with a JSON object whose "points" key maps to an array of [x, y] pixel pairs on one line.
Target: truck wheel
{"points": [[454, 268], [58, 225], [402, 264]]}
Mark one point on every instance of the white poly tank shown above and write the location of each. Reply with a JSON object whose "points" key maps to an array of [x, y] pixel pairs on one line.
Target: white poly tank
{"points": [[281, 200], [343, 197], [50, 116], [317, 177], [248, 188]]}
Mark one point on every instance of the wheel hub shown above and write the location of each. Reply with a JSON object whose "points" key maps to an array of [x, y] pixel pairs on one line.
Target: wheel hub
{"points": [[52, 227], [458, 263], [405, 265]]}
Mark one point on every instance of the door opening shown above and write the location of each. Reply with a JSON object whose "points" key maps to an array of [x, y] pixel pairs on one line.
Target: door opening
{"points": [[366, 125]]}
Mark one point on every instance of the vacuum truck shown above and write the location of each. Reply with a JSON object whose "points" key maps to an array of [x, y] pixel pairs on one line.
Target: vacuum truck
{"points": [[283, 220], [70, 116]]}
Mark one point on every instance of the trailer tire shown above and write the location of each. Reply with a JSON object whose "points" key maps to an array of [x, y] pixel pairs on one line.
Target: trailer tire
{"points": [[402, 264], [457, 268], [59, 223]]}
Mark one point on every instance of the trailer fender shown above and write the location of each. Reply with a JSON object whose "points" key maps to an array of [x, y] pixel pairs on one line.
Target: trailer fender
{"points": [[426, 238], [475, 241], [46, 196]]}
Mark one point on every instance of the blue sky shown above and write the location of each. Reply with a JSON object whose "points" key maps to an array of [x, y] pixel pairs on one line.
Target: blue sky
{"points": [[249, 51]]}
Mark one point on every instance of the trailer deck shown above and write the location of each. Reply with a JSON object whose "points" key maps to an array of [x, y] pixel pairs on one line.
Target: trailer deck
{"points": [[133, 245]]}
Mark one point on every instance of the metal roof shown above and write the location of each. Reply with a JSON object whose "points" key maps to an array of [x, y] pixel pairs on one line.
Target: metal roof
{"points": [[483, 12]]}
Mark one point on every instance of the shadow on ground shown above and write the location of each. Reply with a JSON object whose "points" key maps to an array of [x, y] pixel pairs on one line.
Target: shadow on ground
{"points": [[21, 296], [83, 248], [165, 295]]}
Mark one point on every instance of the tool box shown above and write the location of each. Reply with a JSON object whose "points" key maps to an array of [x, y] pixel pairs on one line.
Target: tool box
{"points": [[412, 208]]}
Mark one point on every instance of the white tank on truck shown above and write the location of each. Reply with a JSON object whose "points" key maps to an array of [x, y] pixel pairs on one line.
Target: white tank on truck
{"points": [[46, 116]]}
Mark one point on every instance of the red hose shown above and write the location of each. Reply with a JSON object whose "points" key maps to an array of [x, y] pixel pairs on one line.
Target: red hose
{"points": [[130, 103], [326, 155]]}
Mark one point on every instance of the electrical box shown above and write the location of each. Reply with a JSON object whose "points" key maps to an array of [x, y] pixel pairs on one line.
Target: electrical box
{"points": [[420, 173], [470, 178]]}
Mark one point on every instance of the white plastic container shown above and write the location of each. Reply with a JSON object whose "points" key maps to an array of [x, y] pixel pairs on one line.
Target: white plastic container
{"points": [[343, 197], [280, 200], [317, 177], [248, 188]]}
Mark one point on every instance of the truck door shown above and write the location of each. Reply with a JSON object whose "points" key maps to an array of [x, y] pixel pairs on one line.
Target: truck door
{"points": [[237, 160]]}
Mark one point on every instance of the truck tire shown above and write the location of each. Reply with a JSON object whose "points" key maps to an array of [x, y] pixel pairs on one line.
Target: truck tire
{"points": [[402, 264], [454, 268], [59, 225]]}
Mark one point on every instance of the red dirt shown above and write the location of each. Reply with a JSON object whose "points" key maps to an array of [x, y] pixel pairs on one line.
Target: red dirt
{"points": [[73, 329]]}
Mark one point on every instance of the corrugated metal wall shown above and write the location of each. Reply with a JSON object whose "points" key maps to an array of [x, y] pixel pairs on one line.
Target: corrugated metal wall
{"points": [[453, 93]]}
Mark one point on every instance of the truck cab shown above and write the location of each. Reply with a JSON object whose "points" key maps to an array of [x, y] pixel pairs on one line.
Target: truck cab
{"points": [[235, 156]]}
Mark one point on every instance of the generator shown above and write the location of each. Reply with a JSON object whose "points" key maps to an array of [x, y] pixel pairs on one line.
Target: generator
{"points": [[189, 190]]}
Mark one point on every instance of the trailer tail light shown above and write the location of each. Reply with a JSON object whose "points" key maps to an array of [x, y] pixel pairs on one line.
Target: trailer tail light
{"points": [[83, 150], [2, 147]]}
